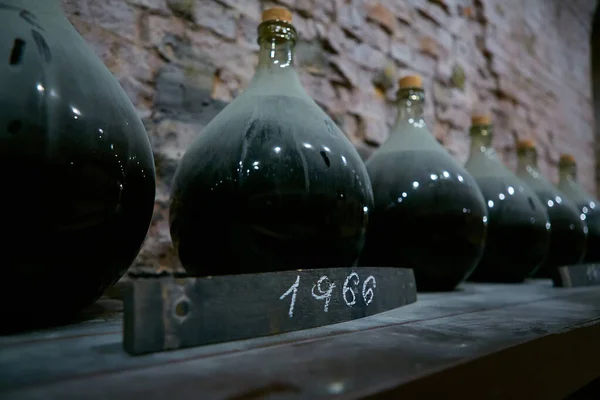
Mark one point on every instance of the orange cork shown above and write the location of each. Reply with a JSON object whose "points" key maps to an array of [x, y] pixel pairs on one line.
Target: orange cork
{"points": [[525, 144], [277, 14], [481, 120], [411, 81], [567, 159]]}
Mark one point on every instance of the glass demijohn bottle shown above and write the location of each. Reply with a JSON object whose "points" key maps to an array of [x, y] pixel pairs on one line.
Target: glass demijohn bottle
{"points": [[588, 205], [271, 183], [518, 233], [429, 214], [76, 163], [568, 234]]}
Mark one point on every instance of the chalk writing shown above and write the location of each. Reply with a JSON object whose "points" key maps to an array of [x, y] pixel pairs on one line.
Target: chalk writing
{"points": [[323, 289], [592, 273], [368, 293], [345, 290], [293, 290], [323, 294]]}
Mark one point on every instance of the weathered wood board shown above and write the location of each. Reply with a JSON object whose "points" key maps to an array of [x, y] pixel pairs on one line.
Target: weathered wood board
{"points": [[483, 341], [167, 313]]}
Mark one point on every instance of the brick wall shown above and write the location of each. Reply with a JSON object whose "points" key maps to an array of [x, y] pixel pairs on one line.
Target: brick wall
{"points": [[527, 62]]}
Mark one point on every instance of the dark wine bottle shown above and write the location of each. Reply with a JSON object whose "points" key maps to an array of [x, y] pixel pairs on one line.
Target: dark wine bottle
{"points": [[429, 214], [518, 234], [271, 183], [568, 235], [587, 204], [76, 165]]}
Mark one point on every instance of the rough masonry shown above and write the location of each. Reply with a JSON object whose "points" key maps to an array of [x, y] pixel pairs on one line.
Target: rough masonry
{"points": [[526, 62]]}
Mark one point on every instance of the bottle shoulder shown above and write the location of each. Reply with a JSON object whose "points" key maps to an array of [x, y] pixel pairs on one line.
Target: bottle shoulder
{"points": [[576, 192], [487, 164], [276, 137], [406, 136]]}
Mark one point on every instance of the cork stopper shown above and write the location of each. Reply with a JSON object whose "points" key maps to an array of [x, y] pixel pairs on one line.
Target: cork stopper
{"points": [[277, 14], [481, 120], [410, 81], [525, 144], [567, 159]]}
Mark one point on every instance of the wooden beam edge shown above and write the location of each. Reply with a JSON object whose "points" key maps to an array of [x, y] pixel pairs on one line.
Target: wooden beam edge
{"points": [[549, 367]]}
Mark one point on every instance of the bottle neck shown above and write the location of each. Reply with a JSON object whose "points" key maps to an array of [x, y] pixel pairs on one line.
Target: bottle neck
{"points": [[568, 173], [277, 40], [275, 52], [411, 107], [481, 139], [526, 158]]}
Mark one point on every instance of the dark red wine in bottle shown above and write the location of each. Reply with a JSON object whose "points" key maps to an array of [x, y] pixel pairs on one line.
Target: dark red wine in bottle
{"points": [[429, 214], [271, 183], [568, 237], [518, 235], [587, 204], [75, 164]]}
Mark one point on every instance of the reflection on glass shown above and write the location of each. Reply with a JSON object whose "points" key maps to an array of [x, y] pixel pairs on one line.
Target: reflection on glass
{"points": [[421, 193], [517, 240], [569, 185], [292, 191], [78, 206], [568, 234]]}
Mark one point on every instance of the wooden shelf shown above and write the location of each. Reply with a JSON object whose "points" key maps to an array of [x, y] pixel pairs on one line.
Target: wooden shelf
{"points": [[483, 341]]}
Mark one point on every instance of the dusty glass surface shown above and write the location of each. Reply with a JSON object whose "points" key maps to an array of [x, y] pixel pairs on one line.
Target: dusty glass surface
{"points": [[75, 160], [518, 235], [586, 203], [568, 236], [429, 214], [271, 183]]}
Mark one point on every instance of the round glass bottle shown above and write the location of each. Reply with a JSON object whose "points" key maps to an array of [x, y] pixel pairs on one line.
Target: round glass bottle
{"points": [[518, 234], [588, 205], [271, 183], [429, 214], [568, 235], [77, 163]]}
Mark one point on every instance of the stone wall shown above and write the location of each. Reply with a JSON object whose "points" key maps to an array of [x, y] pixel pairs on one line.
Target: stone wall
{"points": [[526, 62]]}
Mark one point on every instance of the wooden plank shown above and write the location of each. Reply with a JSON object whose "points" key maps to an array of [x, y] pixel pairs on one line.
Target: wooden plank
{"points": [[578, 275], [169, 313], [102, 318], [589, 391], [550, 367], [440, 332]]}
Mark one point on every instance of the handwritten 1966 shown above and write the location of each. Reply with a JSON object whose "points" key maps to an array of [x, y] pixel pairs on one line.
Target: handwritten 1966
{"points": [[324, 287]]}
